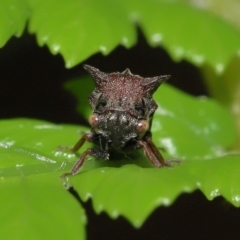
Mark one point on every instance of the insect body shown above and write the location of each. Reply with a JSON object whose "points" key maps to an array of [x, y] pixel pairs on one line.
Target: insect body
{"points": [[122, 112]]}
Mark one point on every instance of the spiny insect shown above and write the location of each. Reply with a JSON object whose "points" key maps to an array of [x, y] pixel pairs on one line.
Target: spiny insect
{"points": [[121, 119]]}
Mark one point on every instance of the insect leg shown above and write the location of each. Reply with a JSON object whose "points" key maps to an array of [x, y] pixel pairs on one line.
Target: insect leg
{"points": [[153, 153], [149, 153], [86, 137], [90, 151]]}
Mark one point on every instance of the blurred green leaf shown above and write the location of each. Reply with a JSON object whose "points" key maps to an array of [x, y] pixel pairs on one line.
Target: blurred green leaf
{"points": [[13, 15], [226, 89], [228, 10], [187, 32], [81, 89], [78, 29], [186, 118]]}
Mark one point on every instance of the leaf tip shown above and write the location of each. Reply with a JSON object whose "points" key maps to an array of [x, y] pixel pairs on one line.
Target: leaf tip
{"points": [[83, 218], [156, 38], [137, 223], [236, 200], [103, 49], [88, 196], [99, 208], [115, 214], [214, 193], [125, 41], [44, 39], [219, 68], [56, 48], [69, 63], [198, 59], [163, 201]]}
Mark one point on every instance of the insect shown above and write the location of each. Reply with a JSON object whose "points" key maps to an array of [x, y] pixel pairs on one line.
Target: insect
{"points": [[121, 119]]}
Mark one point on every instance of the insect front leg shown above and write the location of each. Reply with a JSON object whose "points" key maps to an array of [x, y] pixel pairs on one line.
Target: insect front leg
{"points": [[86, 137], [90, 137], [153, 153], [90, 151]]}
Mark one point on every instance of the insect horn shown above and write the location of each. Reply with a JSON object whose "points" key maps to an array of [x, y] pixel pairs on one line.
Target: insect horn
{"points": [[98, 76], [152, 84], [127, 71]]}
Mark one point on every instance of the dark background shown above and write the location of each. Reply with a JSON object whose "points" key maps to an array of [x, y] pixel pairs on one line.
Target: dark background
{"points": [[31, 86]]}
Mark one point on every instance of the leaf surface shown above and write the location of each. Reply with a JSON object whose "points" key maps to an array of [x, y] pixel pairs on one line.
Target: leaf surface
{"points": [[33, 198], [78, 29], [13, 14]]}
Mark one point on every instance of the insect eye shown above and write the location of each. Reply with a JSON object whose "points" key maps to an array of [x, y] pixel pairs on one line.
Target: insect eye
{"points": [[101, 104], [142, 127], [93, 120]]}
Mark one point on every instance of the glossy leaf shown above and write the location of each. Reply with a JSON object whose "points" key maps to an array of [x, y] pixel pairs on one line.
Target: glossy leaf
{"points": [[218, 177], [40, 208], [31, 166], [13, 14], [197, 130], [33, 198], [134, 192], [187, 118]]}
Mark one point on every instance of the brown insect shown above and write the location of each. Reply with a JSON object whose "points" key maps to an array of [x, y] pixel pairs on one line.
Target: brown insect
{"points": [[123, 109]]}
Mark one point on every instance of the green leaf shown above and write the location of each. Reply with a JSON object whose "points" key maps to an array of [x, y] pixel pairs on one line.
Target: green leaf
{"points": [[81, 94], [40, 208], [77, 29], [218, 177], [226, 88], [199, 127], [196, 130], [134, 192], [226, 9], [33, 198], [187, 32], [13, 15], [30, 168]]}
